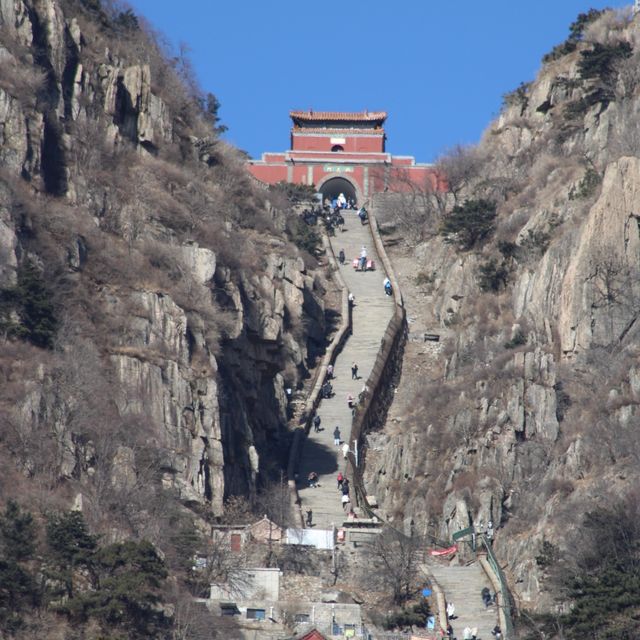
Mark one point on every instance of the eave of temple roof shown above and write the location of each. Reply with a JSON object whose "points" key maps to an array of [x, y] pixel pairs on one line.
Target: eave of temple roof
{"points": [[338, 116]]}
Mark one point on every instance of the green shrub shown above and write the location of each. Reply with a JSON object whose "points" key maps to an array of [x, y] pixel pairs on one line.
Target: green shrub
{"points": [[605, 588], [519, 96], [587, 186], [508, 249], [560, 50], [578, 108], [30, 302], [210, 107], [470, 223], [493, 275], [126, 21], [416, 616], [576, 31], [563, 401], [518, 340], [536, 242], [304, 236], [599, 62], [547, 554]]}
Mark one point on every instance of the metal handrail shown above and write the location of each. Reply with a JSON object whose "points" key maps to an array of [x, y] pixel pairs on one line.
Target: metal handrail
{"points": [[508, 604]]}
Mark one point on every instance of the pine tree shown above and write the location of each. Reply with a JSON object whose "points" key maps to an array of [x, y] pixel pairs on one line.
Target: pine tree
{"points": [[35, 306], [71, 547], [469, 223], [127, 595], [18, 587]]}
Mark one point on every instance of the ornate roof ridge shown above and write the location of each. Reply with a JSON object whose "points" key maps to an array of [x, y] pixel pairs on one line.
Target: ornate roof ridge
{"points": [[360, 116]]}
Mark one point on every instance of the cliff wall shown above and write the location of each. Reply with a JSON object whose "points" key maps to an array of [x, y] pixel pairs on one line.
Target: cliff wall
{"points": [[178, 311], [525, 412]]}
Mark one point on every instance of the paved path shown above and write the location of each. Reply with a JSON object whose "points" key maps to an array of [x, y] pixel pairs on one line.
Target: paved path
{"points": [[371, 316], [462, 586]]}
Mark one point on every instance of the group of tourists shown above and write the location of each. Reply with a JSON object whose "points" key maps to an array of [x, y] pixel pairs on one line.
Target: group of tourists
{"points": [[341, 202], [331, 213], [471, 633], [333, 220], [343, 488]]}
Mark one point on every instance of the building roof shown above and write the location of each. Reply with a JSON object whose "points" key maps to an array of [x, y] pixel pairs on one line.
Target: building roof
{"points": [[314, 634], [328, 131], [266, 528], [338, 116]]}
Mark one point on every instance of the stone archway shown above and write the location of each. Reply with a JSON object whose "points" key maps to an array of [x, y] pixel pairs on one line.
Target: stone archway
{"points": [[333, 186]]}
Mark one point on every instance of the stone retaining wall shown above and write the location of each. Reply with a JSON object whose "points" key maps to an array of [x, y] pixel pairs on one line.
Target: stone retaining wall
{"points": [[381, 384]]}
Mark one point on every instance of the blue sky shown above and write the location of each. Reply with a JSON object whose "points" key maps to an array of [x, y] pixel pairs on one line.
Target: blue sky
{"points": [[438, 68]]}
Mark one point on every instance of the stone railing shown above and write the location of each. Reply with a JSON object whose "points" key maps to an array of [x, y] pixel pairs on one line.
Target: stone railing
{"points": [[382, 381], [313, 400]]}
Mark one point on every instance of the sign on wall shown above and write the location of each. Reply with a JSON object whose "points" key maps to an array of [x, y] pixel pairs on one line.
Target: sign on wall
{"points": [[336, 168]]}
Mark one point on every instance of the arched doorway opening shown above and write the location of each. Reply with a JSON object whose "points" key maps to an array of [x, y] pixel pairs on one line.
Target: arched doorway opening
{"points": [[333, 187], [337, 147]]}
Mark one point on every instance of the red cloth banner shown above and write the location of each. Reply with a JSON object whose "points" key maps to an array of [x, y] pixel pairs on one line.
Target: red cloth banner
{"points": [[444, 552]]}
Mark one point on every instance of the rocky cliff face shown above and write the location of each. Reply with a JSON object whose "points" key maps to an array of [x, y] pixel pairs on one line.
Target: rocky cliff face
{"points": [[181, 311], [526, 412]]}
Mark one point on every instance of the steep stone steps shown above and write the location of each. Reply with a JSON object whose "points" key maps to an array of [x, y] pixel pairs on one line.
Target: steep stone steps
{"points": [[462, 585], [371, 315]]}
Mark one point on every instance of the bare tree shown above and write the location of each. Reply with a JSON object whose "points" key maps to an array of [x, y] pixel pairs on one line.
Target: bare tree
{"points": [[459, 166], [397, 558], [615, 290], [275, 502], [193, 621], [416, 207], [220, 566]]}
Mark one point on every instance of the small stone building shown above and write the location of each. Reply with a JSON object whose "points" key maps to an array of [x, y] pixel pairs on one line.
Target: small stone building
{"points": [[266, 531], [233, 536]]}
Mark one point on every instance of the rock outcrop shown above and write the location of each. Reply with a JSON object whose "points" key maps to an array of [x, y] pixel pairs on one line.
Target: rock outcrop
{"points": [[182, 312], [529, 416]]}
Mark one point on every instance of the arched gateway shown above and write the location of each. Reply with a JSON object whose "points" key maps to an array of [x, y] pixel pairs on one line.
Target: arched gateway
{"points": [[332, 187], [330, 148]]}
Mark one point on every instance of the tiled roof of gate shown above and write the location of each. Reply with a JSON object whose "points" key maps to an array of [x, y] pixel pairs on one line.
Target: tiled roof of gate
{"points": [[361, 116], [378, 131]]}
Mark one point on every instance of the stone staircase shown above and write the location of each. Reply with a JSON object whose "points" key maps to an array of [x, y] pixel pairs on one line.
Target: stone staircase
{"points": [[371, 315], [462, 585]]}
